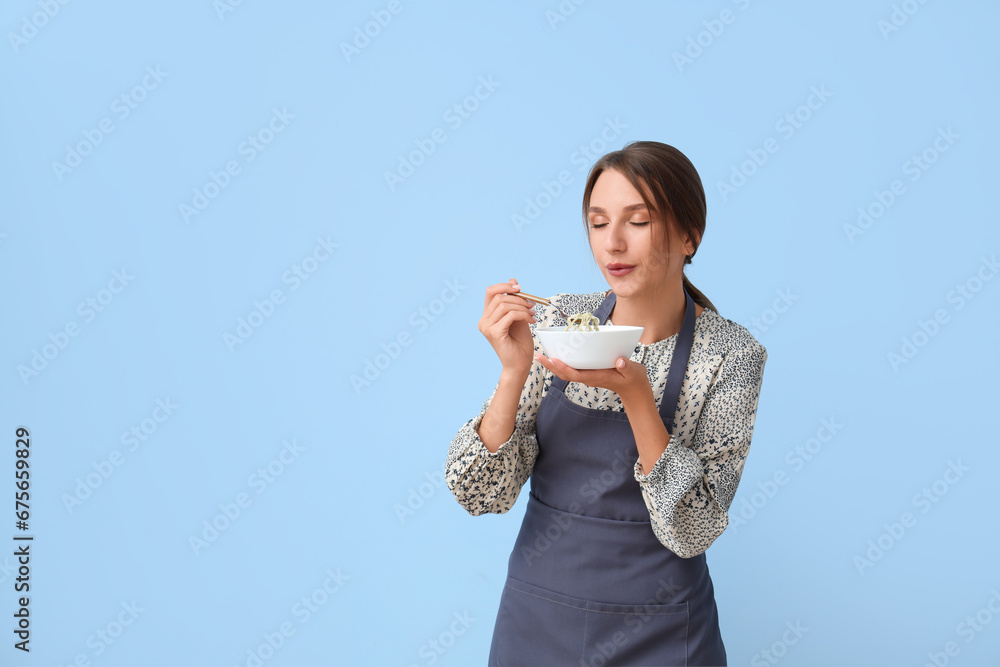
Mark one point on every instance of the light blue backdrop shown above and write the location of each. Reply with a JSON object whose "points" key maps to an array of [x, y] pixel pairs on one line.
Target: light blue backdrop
{"points": [[244, 247]]}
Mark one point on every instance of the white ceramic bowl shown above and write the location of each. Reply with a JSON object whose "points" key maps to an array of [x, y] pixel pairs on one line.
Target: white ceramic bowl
{"points": [[589, 349]]}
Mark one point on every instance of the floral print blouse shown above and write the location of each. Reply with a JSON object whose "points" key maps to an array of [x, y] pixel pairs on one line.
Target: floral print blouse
{"points": [[691, 486]]}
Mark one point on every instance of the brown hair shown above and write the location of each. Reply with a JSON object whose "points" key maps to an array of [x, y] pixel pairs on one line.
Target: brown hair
{"points": [[665, 175]]}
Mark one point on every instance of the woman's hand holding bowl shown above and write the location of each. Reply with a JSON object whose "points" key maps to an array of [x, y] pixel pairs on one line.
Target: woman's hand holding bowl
{"points": [[628, 378]]}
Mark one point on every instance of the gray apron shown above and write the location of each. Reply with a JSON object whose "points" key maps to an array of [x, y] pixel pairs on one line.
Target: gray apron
{"points": [[588, 583]]}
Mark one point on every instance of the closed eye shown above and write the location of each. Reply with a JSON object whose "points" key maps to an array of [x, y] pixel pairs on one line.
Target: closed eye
{"points": [[636, 223]]}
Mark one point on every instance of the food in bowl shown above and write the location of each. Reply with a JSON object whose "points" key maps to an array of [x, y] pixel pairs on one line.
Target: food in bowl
{"points": [[583, 322]]}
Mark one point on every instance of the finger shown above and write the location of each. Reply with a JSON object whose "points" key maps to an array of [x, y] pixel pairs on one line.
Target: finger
{"points": [[516, 287], [516, 300], [627, 367], [501, 331], [500, 288], [500, 298], [493, 290], [513, 297], [509, 318], [502, 309], [494, 312], [564, 370], [548, 363]]}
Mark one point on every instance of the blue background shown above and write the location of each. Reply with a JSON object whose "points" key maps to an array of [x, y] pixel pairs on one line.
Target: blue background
{"points": [[359, 494]]}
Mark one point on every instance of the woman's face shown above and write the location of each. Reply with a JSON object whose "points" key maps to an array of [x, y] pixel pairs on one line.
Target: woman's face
{"points": [[621, 235]]}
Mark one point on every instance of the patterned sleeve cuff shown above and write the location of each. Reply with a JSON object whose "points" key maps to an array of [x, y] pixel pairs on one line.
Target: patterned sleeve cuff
{"points": [[468, 458], [677, 466], [484, 481], [470, 435]]}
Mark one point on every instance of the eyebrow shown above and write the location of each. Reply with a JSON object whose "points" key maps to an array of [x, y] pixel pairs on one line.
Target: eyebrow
{"points": [[632, 207]]}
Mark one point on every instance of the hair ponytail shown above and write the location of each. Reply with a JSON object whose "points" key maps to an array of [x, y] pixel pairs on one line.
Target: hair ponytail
{"points": [[698, 297]]}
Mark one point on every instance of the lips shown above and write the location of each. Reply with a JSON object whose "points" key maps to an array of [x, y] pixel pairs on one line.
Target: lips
{"points": [[617, 269]]}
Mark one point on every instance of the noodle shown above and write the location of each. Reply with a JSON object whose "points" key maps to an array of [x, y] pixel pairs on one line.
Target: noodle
{"points": [[583, 322]]}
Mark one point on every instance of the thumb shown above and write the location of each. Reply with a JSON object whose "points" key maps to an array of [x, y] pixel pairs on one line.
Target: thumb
{"points": [[621, 362]]}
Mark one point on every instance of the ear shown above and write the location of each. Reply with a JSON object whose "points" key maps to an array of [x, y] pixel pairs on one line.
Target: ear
{"points": [[689, 245]]}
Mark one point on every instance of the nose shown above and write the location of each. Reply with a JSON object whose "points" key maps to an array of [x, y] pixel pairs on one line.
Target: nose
{"points": [[614, 240]]}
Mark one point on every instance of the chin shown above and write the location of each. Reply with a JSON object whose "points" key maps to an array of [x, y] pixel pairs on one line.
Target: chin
{"points": [[623, 288]]}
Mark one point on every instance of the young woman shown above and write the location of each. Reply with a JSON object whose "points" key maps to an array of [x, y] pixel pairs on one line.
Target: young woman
{"points": [[632, 468]]}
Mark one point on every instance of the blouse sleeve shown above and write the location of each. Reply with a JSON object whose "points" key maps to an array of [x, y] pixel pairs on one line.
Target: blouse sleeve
{"points": [[689, 490], [490, 482]]}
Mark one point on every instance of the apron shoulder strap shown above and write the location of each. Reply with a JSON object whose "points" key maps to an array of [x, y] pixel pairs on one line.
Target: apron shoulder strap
{"points": [[678, 365]]}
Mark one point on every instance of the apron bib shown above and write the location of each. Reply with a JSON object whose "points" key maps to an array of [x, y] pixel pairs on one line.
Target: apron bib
{"points": [[588, 583]]}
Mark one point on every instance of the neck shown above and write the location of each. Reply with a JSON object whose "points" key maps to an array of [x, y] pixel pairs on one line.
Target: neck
{"points": [[659, 312]]}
